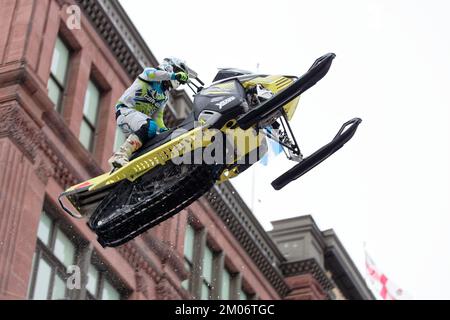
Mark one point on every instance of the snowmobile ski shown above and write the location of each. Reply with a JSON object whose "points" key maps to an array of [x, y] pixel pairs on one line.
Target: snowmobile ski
{"points": [[346, 132]]}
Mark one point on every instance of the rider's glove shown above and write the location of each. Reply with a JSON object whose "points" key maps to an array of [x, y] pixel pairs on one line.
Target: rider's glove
{"points": [[182, 77]]}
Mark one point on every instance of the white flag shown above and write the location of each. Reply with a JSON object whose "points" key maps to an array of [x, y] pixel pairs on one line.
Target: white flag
{"points": [[387, 289]]}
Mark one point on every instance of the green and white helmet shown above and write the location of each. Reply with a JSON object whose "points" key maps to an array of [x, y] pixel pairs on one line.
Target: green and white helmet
{"points": [[172, 64]]}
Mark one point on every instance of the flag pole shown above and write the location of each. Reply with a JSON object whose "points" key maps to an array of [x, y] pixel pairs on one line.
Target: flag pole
{"points": [[254, 169], [253, 189], [368, 282]]}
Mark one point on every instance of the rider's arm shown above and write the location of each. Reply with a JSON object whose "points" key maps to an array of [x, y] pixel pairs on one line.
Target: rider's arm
{"points": [[159, 119], [152, 74]]}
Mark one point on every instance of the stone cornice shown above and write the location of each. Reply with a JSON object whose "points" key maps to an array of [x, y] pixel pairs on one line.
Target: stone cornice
{"points": [[116, 29], [291, 226], [310, 266], [343, 270]]}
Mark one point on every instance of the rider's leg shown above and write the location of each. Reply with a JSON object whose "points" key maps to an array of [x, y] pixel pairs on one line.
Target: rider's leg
{"points": [[139, 128]]}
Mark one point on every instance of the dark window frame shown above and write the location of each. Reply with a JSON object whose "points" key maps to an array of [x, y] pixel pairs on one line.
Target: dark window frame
{"points": [[188, 262], [190, 267], [220, 262], [42, 251], [92, 127], [211, 286], [90, 146], [104, 275], [61, 86], [46, 253], [230, 280]]}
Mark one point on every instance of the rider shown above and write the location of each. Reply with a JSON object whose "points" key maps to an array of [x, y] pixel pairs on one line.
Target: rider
{"points": [[140, 110]]}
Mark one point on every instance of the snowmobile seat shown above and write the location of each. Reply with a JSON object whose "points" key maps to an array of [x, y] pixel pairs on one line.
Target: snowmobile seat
{"points": [[187, 124]]}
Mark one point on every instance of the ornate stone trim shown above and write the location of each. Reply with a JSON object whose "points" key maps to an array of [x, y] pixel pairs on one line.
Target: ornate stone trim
{"points": [[166, 254], [166, 290], [44, 170], [36, 147], [27, 138], [131, 253], [310, 266], [141, 284], [63, 173], [18, 129]]}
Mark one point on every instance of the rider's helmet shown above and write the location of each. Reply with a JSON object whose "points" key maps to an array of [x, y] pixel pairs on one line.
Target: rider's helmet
{"points": [[173, 64]]}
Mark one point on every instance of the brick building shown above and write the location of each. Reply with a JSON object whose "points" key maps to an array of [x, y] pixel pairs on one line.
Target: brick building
{"points": [[58, 84]]}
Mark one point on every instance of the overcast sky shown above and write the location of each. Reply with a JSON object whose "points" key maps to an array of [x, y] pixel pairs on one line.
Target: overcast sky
{"points": [[390, 185]]}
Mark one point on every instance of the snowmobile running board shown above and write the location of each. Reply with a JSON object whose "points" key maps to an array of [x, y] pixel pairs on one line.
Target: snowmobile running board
{"points": [[320, 155]]}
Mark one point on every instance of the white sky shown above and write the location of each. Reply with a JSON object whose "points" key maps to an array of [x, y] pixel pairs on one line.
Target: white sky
{"points": [[390, 185]]}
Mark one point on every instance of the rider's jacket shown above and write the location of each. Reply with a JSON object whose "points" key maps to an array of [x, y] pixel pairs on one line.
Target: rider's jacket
{"points": [[147, 94]]}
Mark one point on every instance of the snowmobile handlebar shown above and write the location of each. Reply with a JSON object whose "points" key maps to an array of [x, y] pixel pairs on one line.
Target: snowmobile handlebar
{"points": [[198, 87]]}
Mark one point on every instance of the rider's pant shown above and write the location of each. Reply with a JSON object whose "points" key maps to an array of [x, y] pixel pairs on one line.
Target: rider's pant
{"points": [[132, 121]]}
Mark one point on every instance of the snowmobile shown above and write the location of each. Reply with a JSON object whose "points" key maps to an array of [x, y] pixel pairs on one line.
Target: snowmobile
{"points": [[155, 184]]}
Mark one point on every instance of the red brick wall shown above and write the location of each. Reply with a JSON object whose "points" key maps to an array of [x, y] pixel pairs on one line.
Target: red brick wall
{"points": [[21, 192]]}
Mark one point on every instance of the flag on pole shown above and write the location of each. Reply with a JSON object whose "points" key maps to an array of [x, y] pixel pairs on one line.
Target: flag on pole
{"points": [[384, 286]]}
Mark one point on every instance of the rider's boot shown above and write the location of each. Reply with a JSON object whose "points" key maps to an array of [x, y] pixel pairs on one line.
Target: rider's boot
{"points": [[121, 157]]}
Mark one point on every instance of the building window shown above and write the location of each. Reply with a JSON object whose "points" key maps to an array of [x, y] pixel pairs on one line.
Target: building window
{"points": [[225, 292], [90, 112], [54, 253], [58, 73], [207, 274], [242, 295], [188, 254], [99, 287], [209, 278]]}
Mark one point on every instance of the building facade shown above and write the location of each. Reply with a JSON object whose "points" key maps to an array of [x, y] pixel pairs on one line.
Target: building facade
{"points": [[63, 64]]}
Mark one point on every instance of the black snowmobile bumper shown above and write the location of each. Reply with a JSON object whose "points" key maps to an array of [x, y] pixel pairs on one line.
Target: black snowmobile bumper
{"points": [[346, 132]]}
